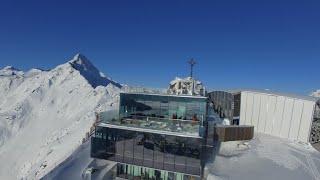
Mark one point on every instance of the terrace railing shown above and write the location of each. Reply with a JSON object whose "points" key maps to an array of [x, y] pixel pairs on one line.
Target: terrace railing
{"points": [[189, 127]]}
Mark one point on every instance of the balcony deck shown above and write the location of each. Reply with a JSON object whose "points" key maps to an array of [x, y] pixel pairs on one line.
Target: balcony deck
{"points": [[154, 124]]}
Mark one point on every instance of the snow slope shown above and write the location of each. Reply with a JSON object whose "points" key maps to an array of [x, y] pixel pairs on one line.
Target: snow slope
{"points": [[80, 166], [45, 114], [265, 157]]}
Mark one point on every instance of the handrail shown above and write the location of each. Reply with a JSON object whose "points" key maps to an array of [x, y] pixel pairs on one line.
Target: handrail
{"points": [[184, 120]]}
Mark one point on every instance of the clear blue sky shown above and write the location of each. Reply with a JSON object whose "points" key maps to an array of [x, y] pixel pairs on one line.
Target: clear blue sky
{"points": [[270, 44]]}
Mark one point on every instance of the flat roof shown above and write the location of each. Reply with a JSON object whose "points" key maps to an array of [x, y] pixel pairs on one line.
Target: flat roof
{"points": [[167, 95], [270, 92], [149, 130]]}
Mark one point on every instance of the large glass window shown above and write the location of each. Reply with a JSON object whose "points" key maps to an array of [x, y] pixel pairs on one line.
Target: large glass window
{"points": [[173, 107], [119, 144], [192, 153], [148, 148], [110, 143], [127, 171], [170, 150], [172, 153], [138, 148], [129, 137], [159, 144], [180, 155], [164, 109], [168, 113]]}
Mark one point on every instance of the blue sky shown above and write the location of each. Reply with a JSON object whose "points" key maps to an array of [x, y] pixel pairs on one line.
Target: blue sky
{"points": [[270, 44]]}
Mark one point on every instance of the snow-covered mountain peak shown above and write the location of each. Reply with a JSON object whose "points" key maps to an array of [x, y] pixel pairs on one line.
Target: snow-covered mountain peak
{"points": [[83, 61], [10, 70], [51, 109], [95, 78]]}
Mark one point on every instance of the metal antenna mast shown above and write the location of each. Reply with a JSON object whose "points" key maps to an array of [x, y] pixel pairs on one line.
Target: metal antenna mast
{"points": [[192, 62]]}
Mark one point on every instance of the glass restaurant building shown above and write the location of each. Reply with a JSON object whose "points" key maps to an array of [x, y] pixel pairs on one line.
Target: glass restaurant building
{"points": [[155, 137]]}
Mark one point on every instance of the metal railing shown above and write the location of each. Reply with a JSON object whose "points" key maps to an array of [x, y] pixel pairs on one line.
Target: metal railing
{"points": [[154, 123]]}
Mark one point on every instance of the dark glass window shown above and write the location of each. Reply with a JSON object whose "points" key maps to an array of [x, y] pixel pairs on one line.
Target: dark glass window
{"points": [[99, 132], [170, 150], [171, 153], [138, 148], [192, 153], [148, 148], [129, 137], [159, 143], [119, 145], [110, 143], [161, 106], [180, 159]]}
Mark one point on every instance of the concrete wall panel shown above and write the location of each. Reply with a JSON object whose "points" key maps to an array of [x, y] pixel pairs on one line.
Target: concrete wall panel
{"points": [[249, 110], [270, 121], [296, 118], [278, 116], [306, 120], [256, 110], [287, 116], [243, 109], [263, 113]]}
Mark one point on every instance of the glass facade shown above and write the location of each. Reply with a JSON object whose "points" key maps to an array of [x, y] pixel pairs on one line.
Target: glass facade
{"points": [[152, 150], [226, 104], [162, 106], [161, 112], [128, 171], [154, 136]]}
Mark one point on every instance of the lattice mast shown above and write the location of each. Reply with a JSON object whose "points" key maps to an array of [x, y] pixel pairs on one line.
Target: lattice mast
{"points": [[192, 62]]}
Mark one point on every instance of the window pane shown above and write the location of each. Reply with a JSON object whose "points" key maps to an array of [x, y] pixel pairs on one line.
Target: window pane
{"points": [[119, 145], [128, 150], [148, 150], [138, 149], [159, 141], [111, 143], [193, 146], [180, 159], [170, 150]]}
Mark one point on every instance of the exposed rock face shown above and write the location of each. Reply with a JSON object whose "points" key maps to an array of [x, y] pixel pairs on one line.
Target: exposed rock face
{"points": [[90, 72], [315, 129], [186, 86]]}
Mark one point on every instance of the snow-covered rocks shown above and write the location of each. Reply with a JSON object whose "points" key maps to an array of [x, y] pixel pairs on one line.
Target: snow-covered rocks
{"points": [[44, 115], [316, 93], [315, 129], [315, 132], [187, 86], [10, 71]]}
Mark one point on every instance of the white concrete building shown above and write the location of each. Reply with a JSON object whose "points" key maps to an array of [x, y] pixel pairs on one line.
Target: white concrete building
{"points": [[283, 115]]}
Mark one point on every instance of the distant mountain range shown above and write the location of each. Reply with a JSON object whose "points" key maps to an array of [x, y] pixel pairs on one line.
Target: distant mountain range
{"points": [[45, 114]]}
